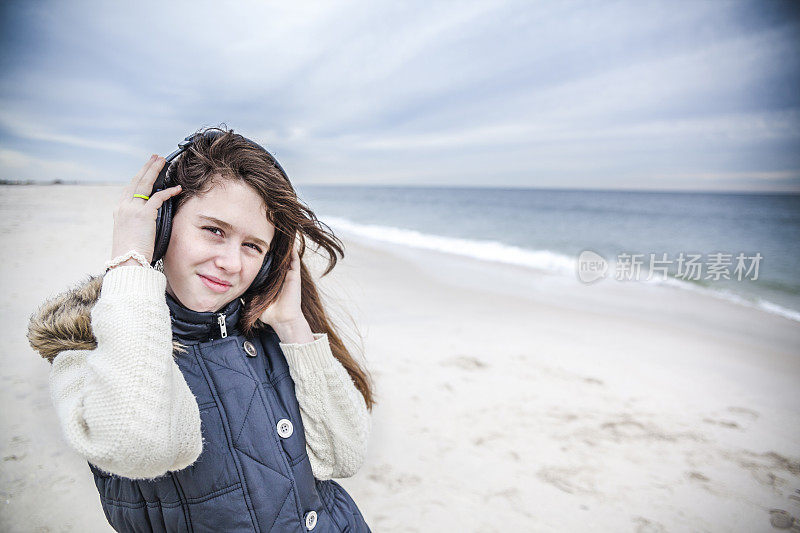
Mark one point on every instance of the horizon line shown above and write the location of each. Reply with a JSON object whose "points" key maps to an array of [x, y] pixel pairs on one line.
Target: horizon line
{"points": [[796, 191]]}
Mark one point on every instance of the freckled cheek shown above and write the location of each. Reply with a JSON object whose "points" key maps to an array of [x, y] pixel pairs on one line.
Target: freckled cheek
{"points": [[254, 267], [187, 257], [196, 250]]}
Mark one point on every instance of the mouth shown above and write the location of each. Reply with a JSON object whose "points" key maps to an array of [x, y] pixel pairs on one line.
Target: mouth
{"points": [[215, 284]]}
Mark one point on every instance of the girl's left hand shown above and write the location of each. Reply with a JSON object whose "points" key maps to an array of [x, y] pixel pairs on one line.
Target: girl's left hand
{"points": [[286, 311]]}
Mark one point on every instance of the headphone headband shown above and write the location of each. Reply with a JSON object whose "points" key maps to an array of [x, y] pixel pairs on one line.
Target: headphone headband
{"points": [[211, 135]]}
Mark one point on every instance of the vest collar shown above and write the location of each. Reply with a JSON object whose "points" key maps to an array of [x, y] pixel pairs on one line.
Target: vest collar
{"points": [[188, 325]]}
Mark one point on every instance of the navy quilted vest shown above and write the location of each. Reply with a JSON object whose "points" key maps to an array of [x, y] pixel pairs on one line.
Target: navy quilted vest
{"points": [[253, 473]]}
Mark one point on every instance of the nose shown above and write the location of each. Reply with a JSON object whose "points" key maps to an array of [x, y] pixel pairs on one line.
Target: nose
{"points": [[228, 259]]}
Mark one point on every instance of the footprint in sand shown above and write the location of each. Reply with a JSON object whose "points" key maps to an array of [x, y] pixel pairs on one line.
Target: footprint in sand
{"points": [[744, 411], [465, 362], [780, 519], [723, 423], [392, 481], [626, 428], [766, 467], [572, 480], [511, 494], [487, 439], [17, 448], [643, 525], [697, 476], [734, 418]]}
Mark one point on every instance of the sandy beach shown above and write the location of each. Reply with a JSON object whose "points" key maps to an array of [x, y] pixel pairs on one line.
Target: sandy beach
{"points": [[508, 399]]}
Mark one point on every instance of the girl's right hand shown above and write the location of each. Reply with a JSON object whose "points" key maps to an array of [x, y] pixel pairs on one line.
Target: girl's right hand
{"points": [[135, 218]]}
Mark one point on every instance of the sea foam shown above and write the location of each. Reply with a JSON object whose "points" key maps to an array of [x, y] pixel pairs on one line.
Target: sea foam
{"points": [[546, 260]]}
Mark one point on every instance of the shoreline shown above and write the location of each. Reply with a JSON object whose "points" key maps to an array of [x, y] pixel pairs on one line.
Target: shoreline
{"points": [[539, 261]]}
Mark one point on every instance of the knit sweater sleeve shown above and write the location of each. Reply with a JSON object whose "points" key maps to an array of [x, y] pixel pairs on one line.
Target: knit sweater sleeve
{"points": [[125, 406], [335, 417]]}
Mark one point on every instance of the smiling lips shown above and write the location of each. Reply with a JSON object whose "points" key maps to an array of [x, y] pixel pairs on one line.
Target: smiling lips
{"points": [[215, 284]]}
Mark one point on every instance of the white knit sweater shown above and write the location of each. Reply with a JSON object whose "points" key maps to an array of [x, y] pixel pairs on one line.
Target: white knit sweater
{"points": [[125, 406]]}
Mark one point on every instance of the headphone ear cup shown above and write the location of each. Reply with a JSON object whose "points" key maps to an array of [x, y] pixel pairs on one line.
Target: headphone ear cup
{"points": [[164, 215], [163, 229], [261, 277]]}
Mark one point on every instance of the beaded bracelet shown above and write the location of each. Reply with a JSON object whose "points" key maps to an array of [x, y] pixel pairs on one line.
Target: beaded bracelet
{"points": [[132, 254]]}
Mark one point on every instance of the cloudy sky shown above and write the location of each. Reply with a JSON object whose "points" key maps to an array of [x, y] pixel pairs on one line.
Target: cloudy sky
{"points": [[698, 95]]}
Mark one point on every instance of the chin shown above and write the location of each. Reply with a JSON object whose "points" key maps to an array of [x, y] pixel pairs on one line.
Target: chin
{"points": [[209, 305], [213, 304], [196, 302], [203, 308], [200, 299]]}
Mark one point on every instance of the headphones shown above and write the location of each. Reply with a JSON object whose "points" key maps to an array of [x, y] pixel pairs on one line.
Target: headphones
{"points": [[167, 209]]}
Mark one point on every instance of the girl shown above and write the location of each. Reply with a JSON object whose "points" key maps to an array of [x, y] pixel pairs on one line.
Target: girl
{"points": [[210, 393]]}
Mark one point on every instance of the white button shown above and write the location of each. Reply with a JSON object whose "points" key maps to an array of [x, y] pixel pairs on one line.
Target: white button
{"points": [[250, 349], [311, 520], [285, 428]]}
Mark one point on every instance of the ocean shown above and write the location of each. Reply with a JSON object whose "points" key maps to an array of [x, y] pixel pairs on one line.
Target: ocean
{"points": [[698, 239]]}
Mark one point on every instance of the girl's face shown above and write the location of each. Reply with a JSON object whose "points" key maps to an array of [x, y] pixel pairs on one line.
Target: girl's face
{"points": [[217, 246]]}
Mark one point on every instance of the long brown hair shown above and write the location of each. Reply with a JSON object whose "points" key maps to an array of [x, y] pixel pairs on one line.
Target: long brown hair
{"points": [[229, 156]]}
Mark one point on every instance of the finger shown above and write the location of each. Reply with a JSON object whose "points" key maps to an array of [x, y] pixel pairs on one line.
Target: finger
{"points": [[145, 185], [130, 188], [295, 265], [160, 197]]}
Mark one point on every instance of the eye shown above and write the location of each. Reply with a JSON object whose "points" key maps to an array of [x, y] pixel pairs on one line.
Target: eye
{"points": [[212, 229]]}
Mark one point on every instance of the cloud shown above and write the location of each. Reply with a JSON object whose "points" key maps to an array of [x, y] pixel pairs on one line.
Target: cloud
{"points": [[510, 93]]}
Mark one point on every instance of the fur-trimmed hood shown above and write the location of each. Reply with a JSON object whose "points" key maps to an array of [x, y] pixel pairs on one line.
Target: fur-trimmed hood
{"points": [[64, 322]]}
